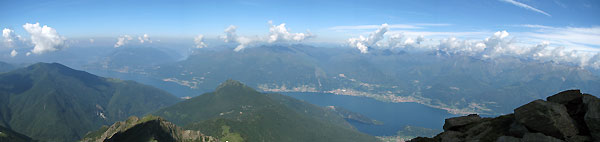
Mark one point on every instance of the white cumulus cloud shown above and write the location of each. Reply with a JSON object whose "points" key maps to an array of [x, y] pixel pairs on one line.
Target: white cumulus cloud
{"points": [[44, 38], [363, 43], [397, 40], [279, 33], [232, 37], [122, 40], [595, 61], [199, 40], [10, 38], [499, 45], [573, 46], [243, 43], [144, 38], [13, 53]]}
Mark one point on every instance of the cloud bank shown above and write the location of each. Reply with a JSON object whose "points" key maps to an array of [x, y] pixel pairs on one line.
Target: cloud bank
{"points": [[9, 37], [144, 38], [497, 45], [199, 41], [45, 39], [122, 40], [277, 34], [363, 43], [232, 37]]}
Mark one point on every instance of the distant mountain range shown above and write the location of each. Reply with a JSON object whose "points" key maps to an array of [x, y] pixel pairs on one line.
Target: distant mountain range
{"points": [[457, 83], [4, 67], [52, 102]]}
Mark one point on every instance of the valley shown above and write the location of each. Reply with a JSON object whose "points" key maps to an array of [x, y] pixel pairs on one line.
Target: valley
{"points": [[429, 78]]}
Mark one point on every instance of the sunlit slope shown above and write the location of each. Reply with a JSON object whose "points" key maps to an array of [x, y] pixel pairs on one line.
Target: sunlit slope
{"points": [[49, 101]]}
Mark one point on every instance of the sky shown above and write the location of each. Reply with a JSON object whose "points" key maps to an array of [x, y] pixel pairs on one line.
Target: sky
{"points": [[186, 18], [572, 24]]}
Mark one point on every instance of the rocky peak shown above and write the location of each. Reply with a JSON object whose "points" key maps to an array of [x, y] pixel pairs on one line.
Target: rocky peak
{"points": [[456, 122], [567, 116], [144, 129]]}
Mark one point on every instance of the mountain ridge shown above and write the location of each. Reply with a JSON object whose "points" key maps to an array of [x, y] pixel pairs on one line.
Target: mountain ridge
{"points": [[50, 101], [147, 128]]}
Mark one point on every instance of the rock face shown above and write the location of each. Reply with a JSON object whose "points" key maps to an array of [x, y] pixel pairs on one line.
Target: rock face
{"points": [[149, 128], [546, 117], [592, 115], [453, 123], [567, 116]]}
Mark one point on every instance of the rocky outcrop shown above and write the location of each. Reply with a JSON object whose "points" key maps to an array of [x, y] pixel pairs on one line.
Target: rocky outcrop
{"points": [[567, 116], [592, 115], [546, 117], [148, 128], [456, 122]]}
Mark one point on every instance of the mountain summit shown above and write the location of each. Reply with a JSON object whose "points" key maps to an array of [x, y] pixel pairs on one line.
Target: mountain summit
{"points": [[148, 128], [234, 85]]}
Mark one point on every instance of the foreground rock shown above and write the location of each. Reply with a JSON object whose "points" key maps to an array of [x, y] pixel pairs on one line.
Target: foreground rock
{"points": [[546, 117], [592, 115], [149, 128], [567, 116]]}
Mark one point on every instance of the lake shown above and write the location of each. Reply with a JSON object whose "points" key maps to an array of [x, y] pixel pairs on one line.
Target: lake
{"points": [[394, 115]]}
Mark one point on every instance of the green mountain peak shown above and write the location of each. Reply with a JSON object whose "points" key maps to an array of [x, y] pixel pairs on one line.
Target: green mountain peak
{"points": [[48, 67], [234, 87], [52, 102]]}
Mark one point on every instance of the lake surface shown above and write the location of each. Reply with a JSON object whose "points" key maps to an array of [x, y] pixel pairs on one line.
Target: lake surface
{"points": [[394, 115]]}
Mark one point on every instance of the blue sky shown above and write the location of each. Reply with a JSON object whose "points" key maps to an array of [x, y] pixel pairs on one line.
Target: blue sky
{"points": [[516, 27], [177, 18]]}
